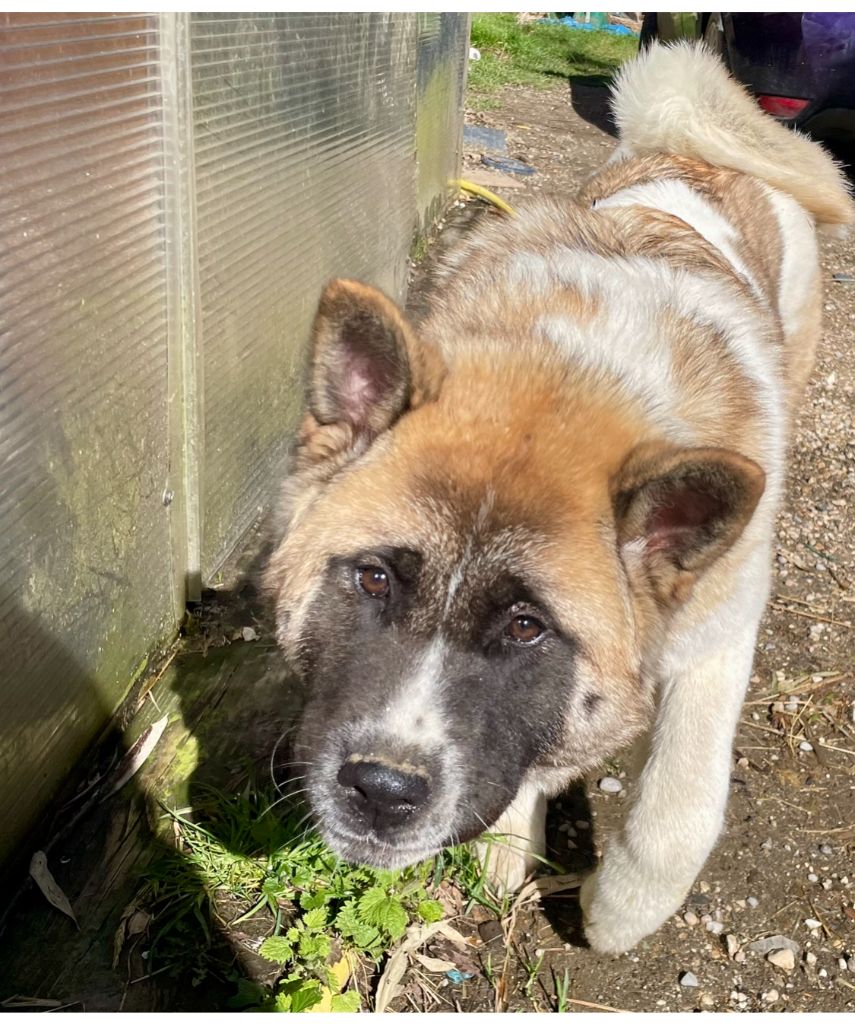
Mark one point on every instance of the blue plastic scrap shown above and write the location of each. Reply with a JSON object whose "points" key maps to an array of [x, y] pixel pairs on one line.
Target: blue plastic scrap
{"points": [[589, 26], [507, 164], [458, 977], [480, 137]]}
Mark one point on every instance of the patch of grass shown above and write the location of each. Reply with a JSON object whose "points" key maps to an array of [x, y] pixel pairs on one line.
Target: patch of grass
{"points": [[538, 54], [312, 912]]}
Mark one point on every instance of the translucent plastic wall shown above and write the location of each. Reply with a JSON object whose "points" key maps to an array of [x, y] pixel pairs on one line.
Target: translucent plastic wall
{"points": [[174, 191]]}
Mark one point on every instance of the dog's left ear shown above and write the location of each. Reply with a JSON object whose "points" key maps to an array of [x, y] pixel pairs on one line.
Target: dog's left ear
{"points": [[678, 510], [368, 366]]}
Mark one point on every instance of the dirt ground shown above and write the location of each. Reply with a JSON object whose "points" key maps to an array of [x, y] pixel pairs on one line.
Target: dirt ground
{"points": [[785, 865]]}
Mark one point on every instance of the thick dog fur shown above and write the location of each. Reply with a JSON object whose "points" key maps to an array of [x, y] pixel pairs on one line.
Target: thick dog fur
{"points": [[538, 526]]}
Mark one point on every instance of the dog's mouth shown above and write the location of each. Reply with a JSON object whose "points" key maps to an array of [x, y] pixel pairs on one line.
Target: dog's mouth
{"points": [[377, 850]]}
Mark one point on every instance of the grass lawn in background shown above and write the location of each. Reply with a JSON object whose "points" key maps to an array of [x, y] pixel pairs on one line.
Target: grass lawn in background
{"points": [[538, 54]]}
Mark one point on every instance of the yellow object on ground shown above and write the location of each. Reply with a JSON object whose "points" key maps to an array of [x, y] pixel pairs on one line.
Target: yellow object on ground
{"points": [[340, 973], [485, 193]]}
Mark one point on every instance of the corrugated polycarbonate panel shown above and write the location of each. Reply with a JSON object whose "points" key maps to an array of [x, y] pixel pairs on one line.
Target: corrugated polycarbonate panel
{"points": [[305, 163], [85, 570], [441, 80]]}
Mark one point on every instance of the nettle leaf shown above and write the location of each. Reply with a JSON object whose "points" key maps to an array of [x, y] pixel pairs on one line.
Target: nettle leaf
{"points": [[351, 926], [371, 905], [396, 919], [313, 900], [384, 912], [277, 949], [314, 947], [272, 887], [347, 1002], [298, 995], [315, 919], [430, 911]]}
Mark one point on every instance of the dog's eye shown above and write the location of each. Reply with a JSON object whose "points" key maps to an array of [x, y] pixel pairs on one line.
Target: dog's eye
{"points": [[372, 581], [524, 629]]}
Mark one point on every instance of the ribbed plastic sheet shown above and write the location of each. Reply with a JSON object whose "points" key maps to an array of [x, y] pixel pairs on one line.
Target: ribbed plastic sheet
{"points": [[305, 163], [85, 574], [441, 81]]}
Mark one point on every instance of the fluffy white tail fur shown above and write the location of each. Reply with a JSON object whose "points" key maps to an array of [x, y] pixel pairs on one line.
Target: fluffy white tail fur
{"points": [[679, 99]]}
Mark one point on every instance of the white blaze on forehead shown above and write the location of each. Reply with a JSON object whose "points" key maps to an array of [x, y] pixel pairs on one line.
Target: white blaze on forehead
{"points": [[458, 573], [414, 714]]}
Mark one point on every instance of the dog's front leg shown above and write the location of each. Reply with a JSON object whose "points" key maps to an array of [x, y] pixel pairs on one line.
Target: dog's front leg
{"points": [[675, 819], [521, 840]]}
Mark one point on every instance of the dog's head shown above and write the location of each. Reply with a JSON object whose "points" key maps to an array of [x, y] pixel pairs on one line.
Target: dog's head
{"points": [[475, 563]]}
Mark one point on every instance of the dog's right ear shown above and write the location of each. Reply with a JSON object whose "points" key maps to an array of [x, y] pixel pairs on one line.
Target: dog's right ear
{"points": [[368, 366]]}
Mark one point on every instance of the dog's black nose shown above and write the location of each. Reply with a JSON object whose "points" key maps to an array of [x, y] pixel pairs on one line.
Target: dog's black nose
{"points": [[381, 793]]}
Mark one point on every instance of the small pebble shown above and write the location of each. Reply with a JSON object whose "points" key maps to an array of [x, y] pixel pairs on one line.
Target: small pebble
{"points": [[706, 918], [743, 762], [774, 942], [826, 850], [822, 972], [248, 633], [827, 884], [805, 746], [810, 958], [844, 880], [841, 963], [609, 784], [732, 944], [752, 901], [782, 958], [582, 824], [739, 957], [811, 922], [707, 1001], [688, 980], [812, 877], [690, 918], [766, 844], [715, 927], [771, 996]]}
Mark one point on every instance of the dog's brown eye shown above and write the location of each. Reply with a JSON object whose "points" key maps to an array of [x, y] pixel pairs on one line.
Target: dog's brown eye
{"points": [[372, 581], [523, 629]]}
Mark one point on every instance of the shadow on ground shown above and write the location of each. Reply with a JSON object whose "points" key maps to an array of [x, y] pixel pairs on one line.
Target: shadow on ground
{"points": [[227, 699]]}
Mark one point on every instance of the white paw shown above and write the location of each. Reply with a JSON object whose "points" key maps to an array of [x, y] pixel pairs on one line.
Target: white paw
{"points": [[507, 863], [620, 906]]}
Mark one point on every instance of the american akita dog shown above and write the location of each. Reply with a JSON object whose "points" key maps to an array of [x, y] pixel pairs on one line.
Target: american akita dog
{"points": [[539, 525]]}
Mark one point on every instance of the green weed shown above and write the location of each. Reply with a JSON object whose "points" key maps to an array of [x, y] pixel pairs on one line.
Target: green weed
{"points": [[246, 861], [562, 988]]}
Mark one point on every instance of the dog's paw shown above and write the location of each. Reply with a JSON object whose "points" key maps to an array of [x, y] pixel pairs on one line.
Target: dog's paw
{"points": [[620, 906], [506, 866]]}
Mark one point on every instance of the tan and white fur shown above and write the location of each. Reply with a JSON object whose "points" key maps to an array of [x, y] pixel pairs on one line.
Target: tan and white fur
{"points": [[595, 412]]}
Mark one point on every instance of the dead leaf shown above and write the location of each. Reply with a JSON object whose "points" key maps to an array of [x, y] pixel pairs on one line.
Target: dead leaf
{"points": [[29, 1003], [434, 963], [133, 922], [547, 886], [396, 965], [137, 755], [47, 883]]}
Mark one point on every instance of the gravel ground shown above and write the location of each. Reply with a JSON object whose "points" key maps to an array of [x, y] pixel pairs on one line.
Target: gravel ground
{"points": [[784, 870]]}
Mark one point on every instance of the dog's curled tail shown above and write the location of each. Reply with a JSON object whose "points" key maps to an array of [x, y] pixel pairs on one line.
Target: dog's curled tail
{"points": [[680, 100]]}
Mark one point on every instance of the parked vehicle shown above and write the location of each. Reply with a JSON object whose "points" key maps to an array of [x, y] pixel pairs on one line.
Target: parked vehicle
{"points": [[801, 66]]}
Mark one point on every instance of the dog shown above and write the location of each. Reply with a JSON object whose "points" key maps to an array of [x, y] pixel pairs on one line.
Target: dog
{"points": [[538, 526]]}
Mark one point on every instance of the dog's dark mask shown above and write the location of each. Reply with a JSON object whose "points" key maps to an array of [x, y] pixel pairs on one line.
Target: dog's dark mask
{"points": [[429, 700]]}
